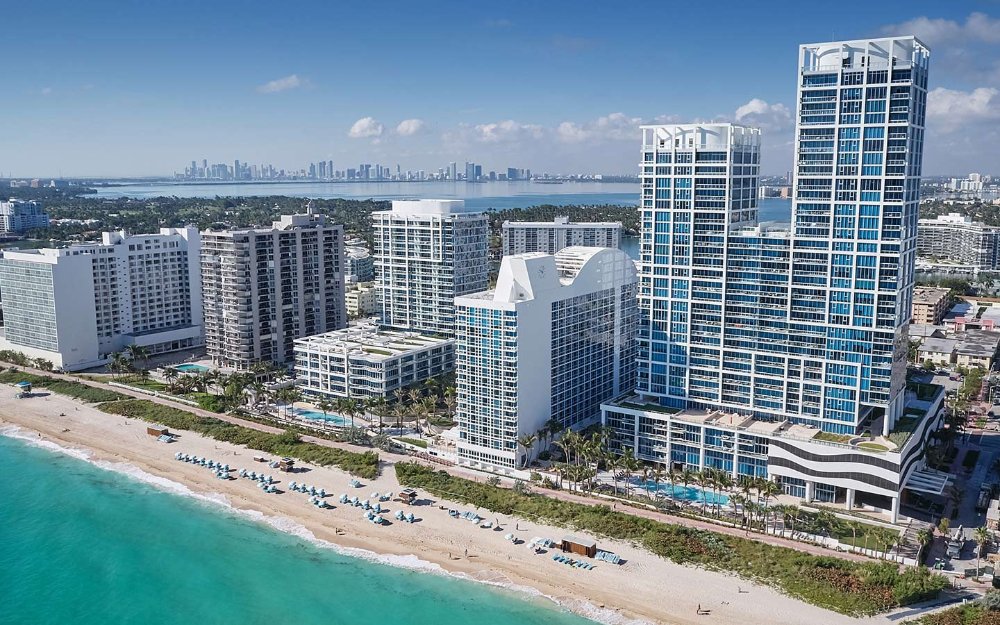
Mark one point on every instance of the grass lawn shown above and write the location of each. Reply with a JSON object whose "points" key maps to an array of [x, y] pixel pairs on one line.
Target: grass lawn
{"points": [[414, 441], [873, 446]]}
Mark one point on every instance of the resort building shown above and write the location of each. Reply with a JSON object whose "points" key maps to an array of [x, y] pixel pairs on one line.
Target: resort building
{"points": [[957, 241], [363, 361], [550, 237], [361, 300], [800, 329], [360, 264], [929, 305], [76, 306], [553, 340], [427, 252], [18, 216], [266, 287]]}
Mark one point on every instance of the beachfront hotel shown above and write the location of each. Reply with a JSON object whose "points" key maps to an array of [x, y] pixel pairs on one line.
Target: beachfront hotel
{"points": [[265, 287], [427, 252], [782, 353], [363, 361], [76, 306], [553, 340], [548, 237]]}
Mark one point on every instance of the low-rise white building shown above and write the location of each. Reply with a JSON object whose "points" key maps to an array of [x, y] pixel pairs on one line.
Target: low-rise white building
{"points": [[76, 306], [360, 264], [361, 300], [554, 339], [363, 361], [549, 237]]}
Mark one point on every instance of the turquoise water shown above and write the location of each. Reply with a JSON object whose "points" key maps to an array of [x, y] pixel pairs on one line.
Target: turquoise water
{"points": [[316, 415], [686, 493], [188, 368], [88, 546]]}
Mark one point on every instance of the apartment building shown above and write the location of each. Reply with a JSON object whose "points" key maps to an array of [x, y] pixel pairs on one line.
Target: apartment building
{"points": [[550, 237], [427, 252], [929, 305], [955, 239], [363, 362], [19, 216], [265, 287]]}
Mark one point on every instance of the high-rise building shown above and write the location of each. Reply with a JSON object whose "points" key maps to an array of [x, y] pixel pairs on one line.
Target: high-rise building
{"points": [[18, 216], [427, 252], [551, 342], [76, 306], [784, 335], [549, 237], [452, 171], [265, 287], [360, 265], [470, 171]]}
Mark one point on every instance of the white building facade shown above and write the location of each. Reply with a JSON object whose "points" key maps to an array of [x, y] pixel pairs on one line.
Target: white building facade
{"points": [[427, 252], [362, 362], [76, 306], [18, 216], [550, 237], [265, 287], [552, 341]]}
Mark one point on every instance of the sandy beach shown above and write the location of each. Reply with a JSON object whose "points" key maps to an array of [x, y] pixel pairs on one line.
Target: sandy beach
{"points": [[645, 589]]}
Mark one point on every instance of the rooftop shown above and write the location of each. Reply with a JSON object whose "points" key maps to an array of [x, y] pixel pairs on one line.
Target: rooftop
{"points": [[562, 221], [429, 207], [981, 343], [367, 340], [929, 295]]}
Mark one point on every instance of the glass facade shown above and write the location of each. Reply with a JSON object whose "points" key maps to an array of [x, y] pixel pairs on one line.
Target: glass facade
{"points": [[807, 325]]}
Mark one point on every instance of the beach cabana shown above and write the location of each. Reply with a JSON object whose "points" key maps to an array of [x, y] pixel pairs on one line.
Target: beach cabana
{"points": [[581, 546], [286, 464], [157, 430], [407, 495]]}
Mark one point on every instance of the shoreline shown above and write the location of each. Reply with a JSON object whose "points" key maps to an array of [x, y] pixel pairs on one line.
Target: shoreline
{"points": [[629, 594]]}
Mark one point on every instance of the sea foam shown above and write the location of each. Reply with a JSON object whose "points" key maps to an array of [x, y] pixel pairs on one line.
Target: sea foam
{"points": [[294, 528]]}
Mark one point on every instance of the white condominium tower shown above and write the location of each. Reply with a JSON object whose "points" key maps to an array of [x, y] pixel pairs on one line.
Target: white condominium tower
{"points": [[17, 216], [76, 306], [552, 341], [427, 252], [549, 237], [266, 287]]}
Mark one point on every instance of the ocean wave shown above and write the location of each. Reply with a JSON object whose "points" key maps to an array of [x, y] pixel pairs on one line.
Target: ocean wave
{"points": [[294, 528]]}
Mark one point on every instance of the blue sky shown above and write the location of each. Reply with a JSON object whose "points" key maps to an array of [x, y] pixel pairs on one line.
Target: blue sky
{"points": [[141, 88]]}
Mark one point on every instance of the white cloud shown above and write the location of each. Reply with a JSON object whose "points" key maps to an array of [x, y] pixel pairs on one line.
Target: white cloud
{"points": [[977, 27], [775, 118], [281, 84], [366, 127], [507, 130], [409, 127], [614, 127], [949, 109]]}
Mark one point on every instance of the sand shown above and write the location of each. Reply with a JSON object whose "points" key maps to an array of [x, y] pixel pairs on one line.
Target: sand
{"points": [[645, 589]]}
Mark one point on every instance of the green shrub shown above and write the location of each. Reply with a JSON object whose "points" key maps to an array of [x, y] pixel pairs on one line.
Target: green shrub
{"points": [[845, 586], [364, 464], [414, 441], [76, 390]]}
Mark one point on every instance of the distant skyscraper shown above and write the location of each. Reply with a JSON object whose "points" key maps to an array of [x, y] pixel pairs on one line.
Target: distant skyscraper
{"points": [[478, 172], [453, 171], [470, 171], [426, 253]]}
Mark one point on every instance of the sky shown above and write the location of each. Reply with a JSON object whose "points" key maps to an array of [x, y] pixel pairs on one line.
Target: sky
{"points": [[139, 88]]}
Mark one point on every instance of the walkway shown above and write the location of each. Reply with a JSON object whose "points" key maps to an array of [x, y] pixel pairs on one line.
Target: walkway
{"points": [[389, 459]]}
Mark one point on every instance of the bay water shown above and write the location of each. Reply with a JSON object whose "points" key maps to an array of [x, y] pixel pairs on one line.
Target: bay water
{"points": [[84, 545]]}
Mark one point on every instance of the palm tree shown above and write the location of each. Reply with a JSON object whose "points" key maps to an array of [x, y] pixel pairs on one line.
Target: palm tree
{"points": [[656, 475], [428, 406], [380, 407], [137, 353], [170, 374], [630, 465], [325, 405], [705, 480], [450, 401], [414, 395], [982, 536], [527, 441], [350, 408], [723, 481], [924, 538], [400, 410]]}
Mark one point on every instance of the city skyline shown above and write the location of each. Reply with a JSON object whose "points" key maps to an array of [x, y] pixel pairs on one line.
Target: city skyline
{"points": [[78, 107]]}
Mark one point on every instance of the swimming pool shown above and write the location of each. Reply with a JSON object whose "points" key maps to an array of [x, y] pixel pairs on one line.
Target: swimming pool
{"points": [[685, 493], [189, 368], [316, 415]]}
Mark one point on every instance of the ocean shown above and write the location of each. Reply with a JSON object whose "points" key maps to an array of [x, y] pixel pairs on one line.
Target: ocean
{"points": [[108, 545]]}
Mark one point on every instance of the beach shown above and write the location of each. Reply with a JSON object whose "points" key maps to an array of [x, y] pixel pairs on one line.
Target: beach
{"points": [[645, 588]]}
